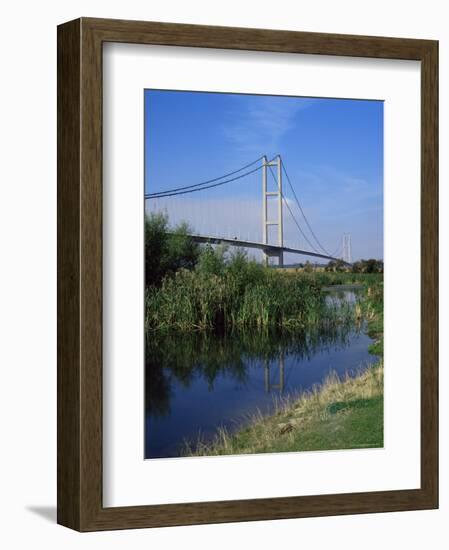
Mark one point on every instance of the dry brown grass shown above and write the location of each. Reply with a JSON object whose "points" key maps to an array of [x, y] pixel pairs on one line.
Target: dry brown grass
{"points": [[294, 417]]}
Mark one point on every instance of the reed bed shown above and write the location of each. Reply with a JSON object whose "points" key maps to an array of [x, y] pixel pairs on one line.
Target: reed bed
{"points": [[257, 298]]}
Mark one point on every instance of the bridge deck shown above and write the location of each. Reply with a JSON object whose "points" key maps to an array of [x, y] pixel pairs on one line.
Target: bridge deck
{"points": [[269, 249]]}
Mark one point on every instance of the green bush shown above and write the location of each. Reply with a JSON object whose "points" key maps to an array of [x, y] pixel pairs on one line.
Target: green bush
{"points": [[167, 250]]}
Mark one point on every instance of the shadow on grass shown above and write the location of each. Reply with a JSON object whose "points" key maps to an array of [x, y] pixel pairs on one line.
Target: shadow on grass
{"points": [[338, 406]]}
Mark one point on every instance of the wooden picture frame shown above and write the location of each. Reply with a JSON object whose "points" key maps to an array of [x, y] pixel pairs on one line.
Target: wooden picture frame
{"points": [[80, 504]]}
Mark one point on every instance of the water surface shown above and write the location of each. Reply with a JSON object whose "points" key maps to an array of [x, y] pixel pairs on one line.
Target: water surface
{"points": [[197, 382]]}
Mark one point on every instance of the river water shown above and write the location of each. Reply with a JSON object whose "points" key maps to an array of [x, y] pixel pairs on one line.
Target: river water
{"points": [[197, 382]]}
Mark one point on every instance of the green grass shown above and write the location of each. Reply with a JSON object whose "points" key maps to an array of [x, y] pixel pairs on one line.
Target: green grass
{"points": [[324, 278], [339, 414]]}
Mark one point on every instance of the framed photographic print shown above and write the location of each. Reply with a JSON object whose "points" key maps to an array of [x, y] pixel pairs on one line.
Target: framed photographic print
{"points": [[247, 274]]}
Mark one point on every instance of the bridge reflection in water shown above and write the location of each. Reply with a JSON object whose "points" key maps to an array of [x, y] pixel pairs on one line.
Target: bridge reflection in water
{"points": [[269, 385]]}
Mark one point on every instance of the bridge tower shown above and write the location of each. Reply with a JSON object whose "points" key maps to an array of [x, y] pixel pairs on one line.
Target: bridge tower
{"points": [[346, 256], [266, 196]]}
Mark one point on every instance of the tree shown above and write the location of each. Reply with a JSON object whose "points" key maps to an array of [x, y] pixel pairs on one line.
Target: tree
{"points": [[212, 262], [167, 251], [308, 268], [371, 266], [357, 267], [156, 227], [330, 266], [368, 266], [336, 265], [340, 266], [182, 251]]}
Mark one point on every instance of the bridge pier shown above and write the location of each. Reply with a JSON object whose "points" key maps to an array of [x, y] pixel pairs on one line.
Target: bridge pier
{"points": [[271, 254]]}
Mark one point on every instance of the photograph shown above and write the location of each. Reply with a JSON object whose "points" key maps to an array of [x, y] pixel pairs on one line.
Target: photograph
{"points": [[263, 274]]}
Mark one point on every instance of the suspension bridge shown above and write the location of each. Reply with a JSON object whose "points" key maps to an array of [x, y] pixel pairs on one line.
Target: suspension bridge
{"points": [[259, 224]]}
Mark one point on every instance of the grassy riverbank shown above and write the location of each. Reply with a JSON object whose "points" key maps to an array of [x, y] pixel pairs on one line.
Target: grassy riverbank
{"points": [[339, 414]]}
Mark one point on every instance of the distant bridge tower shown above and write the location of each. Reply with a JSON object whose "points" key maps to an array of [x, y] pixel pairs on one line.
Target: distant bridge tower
{"points": [[347, 248], [267, 195]]}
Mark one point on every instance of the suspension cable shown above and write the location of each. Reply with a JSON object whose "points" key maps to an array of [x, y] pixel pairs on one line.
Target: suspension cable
{"points": [[302, 211], [168, 192], [292, 215], [338, 252], [161, 195]]}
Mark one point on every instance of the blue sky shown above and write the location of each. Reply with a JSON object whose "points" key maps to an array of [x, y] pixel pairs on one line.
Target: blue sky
{"points": [[332, 150]]}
